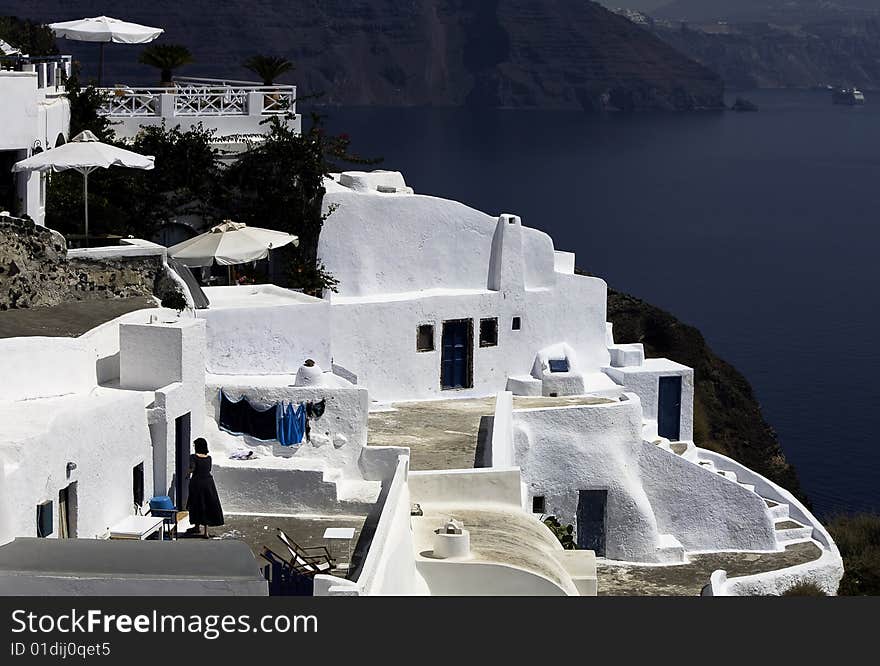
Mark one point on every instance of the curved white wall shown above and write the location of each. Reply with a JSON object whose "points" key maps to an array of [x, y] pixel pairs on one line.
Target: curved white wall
{"points": [[563, 450], [376, 243]]}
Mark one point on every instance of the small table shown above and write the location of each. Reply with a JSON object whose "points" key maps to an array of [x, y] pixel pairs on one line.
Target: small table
{"points": [[138, 528], [339, 534]]}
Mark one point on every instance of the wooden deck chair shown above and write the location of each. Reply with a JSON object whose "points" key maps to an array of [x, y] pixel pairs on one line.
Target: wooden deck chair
{"points": [[301, 556], [291, 567]]}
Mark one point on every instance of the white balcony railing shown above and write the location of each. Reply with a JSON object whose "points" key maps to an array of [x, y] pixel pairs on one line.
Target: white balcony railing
{"points": [[197, 98], [50, 70]]}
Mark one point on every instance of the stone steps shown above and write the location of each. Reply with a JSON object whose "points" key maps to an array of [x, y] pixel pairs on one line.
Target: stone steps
{"points": [[789, 531]]}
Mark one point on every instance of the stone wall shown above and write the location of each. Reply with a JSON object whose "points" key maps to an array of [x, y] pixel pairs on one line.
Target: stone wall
{"points": [[35, 270]]}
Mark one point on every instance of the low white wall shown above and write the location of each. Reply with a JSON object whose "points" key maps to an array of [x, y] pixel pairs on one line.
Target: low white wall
{"points": [[467, 486], [502, 451], [337, 436], [52, 366], [563, 450], [389, 567], [824, 572], [105, 435], [701, 508], [248, 487]]}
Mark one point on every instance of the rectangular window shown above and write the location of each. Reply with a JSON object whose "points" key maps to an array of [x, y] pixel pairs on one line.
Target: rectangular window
{"points": [[538, 504], [489, 332], [516, 324], [425, 338], [44, 519]]}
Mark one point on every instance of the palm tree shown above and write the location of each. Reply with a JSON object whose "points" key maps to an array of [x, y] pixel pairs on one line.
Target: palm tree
{"points": [[269, 68], [167, 58]]}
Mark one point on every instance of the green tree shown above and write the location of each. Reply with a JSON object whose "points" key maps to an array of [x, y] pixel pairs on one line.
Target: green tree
{"points": [[269, 68], [85, 106], [166, 58], [134, 202], [279, 184], [30, 37]]}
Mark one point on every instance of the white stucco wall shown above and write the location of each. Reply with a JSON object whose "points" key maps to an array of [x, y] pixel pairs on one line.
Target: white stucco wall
{"points": [[376, 339], [270, 338], [563, 450], [104, 433], [491, 485], [702, 509]]}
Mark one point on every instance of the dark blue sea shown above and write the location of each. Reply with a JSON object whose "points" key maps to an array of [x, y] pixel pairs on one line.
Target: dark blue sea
{"points": [[761, 229]]}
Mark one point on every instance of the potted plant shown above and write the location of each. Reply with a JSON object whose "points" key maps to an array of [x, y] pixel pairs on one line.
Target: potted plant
{"points": [[166, 58]]}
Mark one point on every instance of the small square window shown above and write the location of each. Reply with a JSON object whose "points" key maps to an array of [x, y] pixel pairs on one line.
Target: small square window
{"points": [[489, 332], [425, 338], [559, 365], [516, 324], [538, 504]]}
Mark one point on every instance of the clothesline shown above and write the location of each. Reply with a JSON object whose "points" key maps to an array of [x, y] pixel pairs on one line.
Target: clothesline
{"points": [[286, 422]]}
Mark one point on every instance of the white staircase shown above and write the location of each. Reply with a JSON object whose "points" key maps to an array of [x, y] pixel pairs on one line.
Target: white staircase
{"points": [[788, 530]]}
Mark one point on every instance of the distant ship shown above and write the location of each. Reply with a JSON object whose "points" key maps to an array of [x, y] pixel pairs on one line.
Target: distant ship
{"points": [[848, 96]]}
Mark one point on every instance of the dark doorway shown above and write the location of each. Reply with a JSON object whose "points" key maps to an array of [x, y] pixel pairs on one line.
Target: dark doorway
{"points": [[182, 429], [591, 520], [669, 408], [456, 363], [67, 512]]}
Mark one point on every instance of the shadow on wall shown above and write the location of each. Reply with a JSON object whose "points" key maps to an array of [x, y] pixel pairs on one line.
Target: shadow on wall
{"points": [[483, 453], [368, 531]]}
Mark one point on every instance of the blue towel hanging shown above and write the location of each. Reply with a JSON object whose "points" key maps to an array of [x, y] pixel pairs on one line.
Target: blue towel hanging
{"points": [[292, 425]]}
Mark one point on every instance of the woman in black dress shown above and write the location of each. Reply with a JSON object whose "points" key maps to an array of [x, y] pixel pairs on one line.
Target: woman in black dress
{"points": [[203, 504]]}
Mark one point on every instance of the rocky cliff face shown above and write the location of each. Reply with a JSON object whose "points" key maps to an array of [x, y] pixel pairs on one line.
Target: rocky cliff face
{"points": [[499, 53], [761, 55], [35, 271]]}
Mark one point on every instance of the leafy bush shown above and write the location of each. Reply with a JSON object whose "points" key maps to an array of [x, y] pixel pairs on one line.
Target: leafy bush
{"points": [[565, 533], [858, 538]]}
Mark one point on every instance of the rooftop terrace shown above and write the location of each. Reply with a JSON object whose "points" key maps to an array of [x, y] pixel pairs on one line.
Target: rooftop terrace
{"points": [[448, 434]]}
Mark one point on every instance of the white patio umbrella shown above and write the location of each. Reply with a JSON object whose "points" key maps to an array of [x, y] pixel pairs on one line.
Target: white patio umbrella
{"points": [[230, 243], [84, 153], [104, 29]]}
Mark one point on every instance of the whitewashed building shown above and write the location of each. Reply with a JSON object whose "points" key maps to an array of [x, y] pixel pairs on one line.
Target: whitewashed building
{"points": [[34, 116], [435, 301]]}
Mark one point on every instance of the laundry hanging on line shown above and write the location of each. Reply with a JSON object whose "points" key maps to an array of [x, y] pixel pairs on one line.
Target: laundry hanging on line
{"points": [[285, 422], [292, 424], [240, 417]]}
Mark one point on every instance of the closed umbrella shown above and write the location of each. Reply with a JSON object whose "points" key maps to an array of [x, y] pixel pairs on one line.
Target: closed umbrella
{"points": [[104, 29], [230, 243], [84, 153]]}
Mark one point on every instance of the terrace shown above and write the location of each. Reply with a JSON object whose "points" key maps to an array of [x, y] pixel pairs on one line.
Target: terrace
{"points": [[232, 108]]}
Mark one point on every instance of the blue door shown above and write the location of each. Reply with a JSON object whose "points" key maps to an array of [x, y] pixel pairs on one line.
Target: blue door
{"points": [[456, 368], [669, 408], [591, 520]]}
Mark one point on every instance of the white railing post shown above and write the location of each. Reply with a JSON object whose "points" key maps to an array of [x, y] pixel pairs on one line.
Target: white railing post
{"points": [[255, 103], [166, 105]]}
